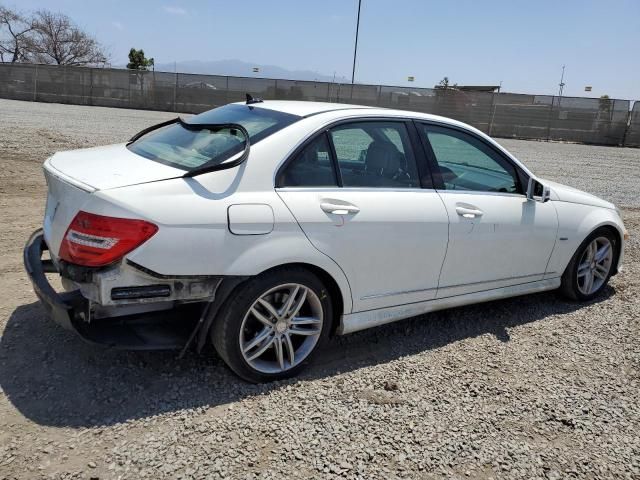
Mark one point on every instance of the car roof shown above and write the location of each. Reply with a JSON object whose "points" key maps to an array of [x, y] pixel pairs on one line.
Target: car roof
{"points": [[302, 108], [306, 109]]}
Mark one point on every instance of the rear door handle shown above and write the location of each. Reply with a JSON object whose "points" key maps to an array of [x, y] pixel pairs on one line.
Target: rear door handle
{"points": [[337, 209], [469, 212]]}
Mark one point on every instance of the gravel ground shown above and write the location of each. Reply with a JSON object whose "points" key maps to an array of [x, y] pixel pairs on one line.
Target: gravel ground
{"points": [[532, 387]]}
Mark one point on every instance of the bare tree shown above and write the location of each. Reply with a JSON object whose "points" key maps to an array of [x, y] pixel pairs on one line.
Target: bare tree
{"points": [[15, 32], [57, 40]]}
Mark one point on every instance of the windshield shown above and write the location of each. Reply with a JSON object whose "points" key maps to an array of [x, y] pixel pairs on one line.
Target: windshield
{"points": [[187, 148]]}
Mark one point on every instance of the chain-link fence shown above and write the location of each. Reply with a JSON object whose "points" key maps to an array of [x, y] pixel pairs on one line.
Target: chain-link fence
{"points": [[541, 117]]}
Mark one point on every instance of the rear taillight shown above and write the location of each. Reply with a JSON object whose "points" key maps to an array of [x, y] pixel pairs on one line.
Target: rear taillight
{"points": [[95, 240]]}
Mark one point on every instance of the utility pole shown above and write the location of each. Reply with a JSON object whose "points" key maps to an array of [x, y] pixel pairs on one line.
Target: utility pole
{"points": [[355, 49], [561, 84]]}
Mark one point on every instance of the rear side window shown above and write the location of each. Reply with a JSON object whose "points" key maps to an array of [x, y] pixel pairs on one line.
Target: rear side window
{"points": [[375, 154], [312, 167]]}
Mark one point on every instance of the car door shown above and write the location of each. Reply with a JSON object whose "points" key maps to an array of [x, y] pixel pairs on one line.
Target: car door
{"points": [[497, 237], [355, 190]]}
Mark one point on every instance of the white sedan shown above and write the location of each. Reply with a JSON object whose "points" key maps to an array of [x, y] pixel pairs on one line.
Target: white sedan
{"points": [[268, 226]]}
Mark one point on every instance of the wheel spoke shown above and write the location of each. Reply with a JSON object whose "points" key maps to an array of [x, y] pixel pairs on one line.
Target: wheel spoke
{"points": [[270, 308], [583, 269], [601, 271], [263, 337], [290, 350], [305, 321], [602, 253], [263, 319], [588, 283], [298, 305], [301, 331], [290, 299], [591, 251], [279, 352]]}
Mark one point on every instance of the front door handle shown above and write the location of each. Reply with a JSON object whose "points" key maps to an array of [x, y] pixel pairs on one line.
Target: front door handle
{"points": [[337, 209], [469, 212]]}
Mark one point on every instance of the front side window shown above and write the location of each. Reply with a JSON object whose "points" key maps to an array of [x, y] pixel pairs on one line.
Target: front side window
{"points": [[466, 163], [187, 149], [375, 154], [312, 167]]}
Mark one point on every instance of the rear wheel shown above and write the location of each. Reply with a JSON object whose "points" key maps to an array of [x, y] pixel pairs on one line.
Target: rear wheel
{"points": [[591, 266], [273, 324]]}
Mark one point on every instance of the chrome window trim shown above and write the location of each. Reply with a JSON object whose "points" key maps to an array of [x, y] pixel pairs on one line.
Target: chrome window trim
{"points": [[404, 119], [481, 192], [354, 189]]}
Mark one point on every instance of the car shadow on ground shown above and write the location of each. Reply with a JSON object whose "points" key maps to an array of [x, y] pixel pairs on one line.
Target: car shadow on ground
{"points": [[54, 378]]}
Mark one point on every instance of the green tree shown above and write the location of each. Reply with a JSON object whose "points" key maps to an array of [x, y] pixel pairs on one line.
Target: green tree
{"points": [[139, 63], [137, 60], [444, 84], [605, 107]]}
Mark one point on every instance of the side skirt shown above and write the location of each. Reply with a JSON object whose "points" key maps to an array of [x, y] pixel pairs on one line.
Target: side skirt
{"points": [[372, 318]]}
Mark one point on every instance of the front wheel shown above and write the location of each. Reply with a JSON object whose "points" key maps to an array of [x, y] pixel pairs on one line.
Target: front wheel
{"points": [[591, 266], [273, 324]]}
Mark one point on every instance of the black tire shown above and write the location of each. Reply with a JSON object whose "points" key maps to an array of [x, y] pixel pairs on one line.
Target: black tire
{"points": [[569, 286], [225, 332]]}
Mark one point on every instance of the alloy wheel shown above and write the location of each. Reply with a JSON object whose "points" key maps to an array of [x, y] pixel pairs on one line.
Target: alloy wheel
{"points": [[281, 328], [594, 266]]}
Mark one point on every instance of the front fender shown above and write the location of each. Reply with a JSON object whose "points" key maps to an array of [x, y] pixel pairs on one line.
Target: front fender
{"points": [[576, 222]]}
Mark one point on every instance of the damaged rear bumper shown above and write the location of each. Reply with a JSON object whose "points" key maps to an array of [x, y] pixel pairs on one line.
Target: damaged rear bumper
{"points": [[166, 329], [63, 308]]}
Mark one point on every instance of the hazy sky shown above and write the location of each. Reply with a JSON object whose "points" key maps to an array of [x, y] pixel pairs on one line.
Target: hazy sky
{"points": [[521, 43]]}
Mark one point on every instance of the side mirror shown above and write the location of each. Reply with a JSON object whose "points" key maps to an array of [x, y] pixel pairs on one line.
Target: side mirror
{"points": [[537, 191]]}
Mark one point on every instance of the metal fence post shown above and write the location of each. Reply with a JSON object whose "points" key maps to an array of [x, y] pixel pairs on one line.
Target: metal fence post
{"points": [[35, 84], [175, 93], [553, 101], [627, 125], [90, 99], [492, 113]]}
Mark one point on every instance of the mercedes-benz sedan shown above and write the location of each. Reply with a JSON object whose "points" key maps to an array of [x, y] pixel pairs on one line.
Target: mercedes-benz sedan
{"points": [[268, 226]]}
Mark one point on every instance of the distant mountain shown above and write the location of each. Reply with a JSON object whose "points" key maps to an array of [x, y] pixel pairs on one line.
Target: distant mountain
{"points": [[238, 68]]}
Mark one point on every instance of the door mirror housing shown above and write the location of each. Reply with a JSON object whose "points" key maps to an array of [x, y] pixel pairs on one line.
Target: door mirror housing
{"points": [[537, 191]]}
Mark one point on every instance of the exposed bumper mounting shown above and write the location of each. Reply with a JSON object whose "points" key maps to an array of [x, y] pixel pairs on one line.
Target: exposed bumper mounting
{"points": [[150, 331]]}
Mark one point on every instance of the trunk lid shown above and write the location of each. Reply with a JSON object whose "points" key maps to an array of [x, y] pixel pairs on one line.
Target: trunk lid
{"points": [[72, 176], [102, 168]]}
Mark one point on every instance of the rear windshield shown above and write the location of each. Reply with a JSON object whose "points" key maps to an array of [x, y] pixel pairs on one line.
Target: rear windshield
{"points": [[187, 149]]}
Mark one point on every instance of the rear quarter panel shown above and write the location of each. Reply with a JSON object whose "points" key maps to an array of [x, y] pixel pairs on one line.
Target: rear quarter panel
{"points": [[194, 236]]}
